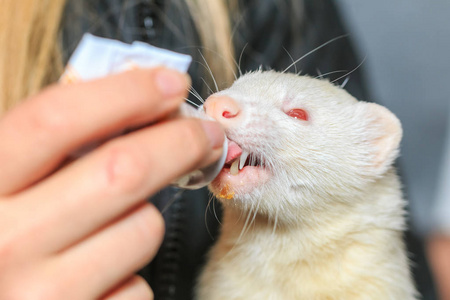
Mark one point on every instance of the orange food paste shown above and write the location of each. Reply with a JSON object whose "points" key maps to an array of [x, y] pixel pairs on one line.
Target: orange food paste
{"points": [[226, 193]]}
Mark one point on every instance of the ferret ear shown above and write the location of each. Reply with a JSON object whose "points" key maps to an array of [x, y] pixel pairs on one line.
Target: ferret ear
{"points": [[384, 133]]}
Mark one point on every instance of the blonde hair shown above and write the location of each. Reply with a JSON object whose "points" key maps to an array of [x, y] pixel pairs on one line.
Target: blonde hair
{"points": [[30, 55], [215, 35], [31, 58]]}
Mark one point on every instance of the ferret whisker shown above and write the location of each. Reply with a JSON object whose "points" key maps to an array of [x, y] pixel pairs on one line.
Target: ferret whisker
{"points": [[207, 85], [232, 38], [275, 222], [210, 71], [240, 217], [243, 231], [192, 102], [215, 211], [356, 68], [315, 49], [345, 82], [249, 222], [293, 62], [198, 97], [237, 67], [256, 211], [319, 73], [172, 201], [208, 208], [240, 59], [320, 76], [217, 54], [196, 94]]}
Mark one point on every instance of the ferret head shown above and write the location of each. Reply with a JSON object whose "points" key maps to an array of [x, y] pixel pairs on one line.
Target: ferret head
{"points": [[298, 143]]}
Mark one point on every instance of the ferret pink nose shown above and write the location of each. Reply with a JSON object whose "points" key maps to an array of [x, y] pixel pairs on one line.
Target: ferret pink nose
{"points": [[222, 108]]}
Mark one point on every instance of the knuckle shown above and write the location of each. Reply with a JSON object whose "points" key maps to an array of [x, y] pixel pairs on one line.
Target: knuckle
{"points": [[35, 290], [11, 247], [7, 252], [15, 236], [125, 169], [48, 115]]}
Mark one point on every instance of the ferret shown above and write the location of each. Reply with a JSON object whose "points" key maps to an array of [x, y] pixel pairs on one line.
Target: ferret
{"points": [[313, 208]]}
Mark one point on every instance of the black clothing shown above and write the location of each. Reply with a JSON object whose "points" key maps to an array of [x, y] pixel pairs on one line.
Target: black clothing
{"points": [[271, 32], [267, 33]]}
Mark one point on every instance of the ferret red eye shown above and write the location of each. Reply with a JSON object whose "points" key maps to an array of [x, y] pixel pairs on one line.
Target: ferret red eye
{"points": [[298, 113]]}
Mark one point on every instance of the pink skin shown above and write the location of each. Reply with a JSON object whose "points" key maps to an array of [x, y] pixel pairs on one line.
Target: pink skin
{"points": [[228, 113], [90, 214]]}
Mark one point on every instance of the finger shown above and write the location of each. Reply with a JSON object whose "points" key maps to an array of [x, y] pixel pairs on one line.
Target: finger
{"points": [[438, 246], [113, 254], [92, 191], [37, 135], [134, 288]]}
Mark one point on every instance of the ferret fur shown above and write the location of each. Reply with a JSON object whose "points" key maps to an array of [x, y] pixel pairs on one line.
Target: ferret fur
{"points": [[328, 223]]}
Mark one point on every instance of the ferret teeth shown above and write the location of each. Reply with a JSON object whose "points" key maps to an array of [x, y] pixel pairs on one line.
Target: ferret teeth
{"points": [[243, 158], [234, 169]]}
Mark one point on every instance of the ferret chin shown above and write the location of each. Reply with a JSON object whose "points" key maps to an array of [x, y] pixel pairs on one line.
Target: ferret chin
{"points": [[313, 208]]}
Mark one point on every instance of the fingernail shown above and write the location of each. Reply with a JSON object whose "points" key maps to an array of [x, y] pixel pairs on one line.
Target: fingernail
{"points": [[171, 83], [214, 132]]}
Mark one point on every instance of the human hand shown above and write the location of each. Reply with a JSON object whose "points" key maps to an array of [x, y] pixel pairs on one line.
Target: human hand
{"points": [[439, 256], [81, 230]]}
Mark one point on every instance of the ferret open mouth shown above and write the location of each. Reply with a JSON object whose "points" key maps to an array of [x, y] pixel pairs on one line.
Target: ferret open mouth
{"points": [[237, 159], [243, 172], [244, 160]]}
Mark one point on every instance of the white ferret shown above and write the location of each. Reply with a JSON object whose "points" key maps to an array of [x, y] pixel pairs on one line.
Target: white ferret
{"points": [[313, 207]]}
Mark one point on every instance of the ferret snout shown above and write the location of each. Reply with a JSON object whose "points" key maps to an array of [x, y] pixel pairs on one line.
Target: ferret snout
{"points": [[223, 108]]}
